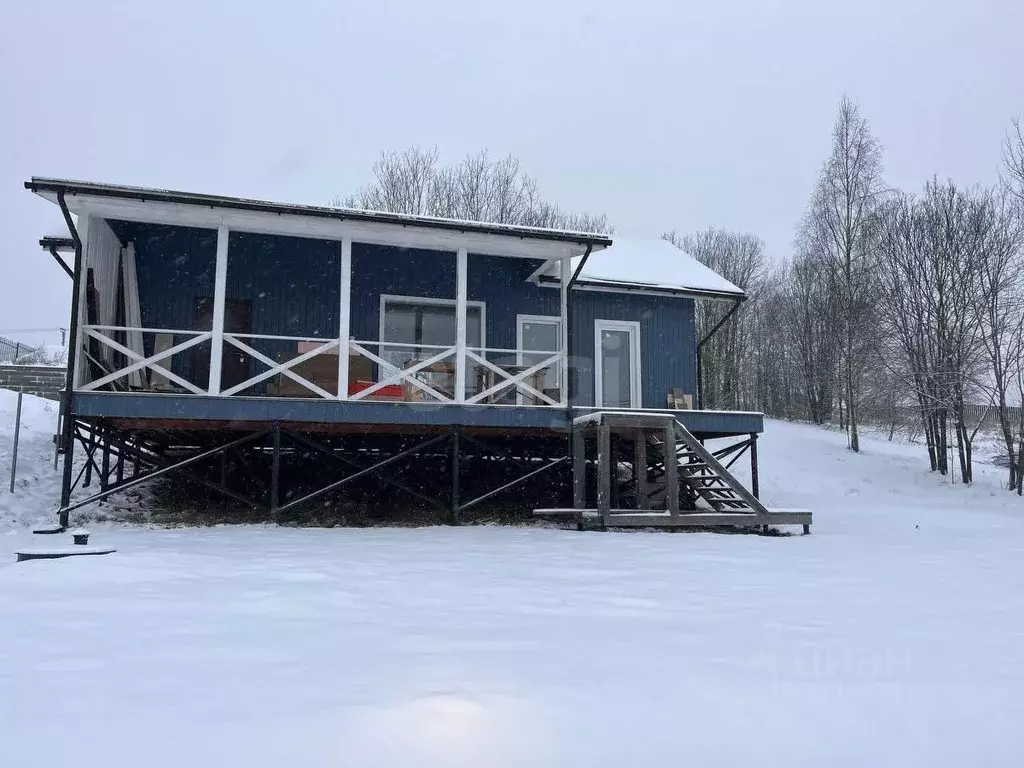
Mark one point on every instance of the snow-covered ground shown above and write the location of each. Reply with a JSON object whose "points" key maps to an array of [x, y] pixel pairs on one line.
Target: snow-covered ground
{"points": [[893, 635], [37, 488]]}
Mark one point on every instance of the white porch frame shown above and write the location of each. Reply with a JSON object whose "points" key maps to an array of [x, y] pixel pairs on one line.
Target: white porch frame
{"points": [[465, 355], [220, 281], [566, 275], [635, 382]]}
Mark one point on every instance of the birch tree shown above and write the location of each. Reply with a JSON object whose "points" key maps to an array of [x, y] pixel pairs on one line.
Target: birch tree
{"points": [[838, 225]]}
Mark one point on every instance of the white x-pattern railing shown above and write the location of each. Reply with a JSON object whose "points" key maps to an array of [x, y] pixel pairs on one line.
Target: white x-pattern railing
{"points": [[276, 368], [515, 380], [392, 374], [99, 333], [411, 377]]}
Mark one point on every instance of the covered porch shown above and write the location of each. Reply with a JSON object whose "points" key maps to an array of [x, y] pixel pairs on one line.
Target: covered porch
{"points": [[226, 313]]}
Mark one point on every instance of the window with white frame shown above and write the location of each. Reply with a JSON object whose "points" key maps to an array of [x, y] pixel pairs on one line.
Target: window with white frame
{"points": [[424, 325], [617, 364], [539, 337]]}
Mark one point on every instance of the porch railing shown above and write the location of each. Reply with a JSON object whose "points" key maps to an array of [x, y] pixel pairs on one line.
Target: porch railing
{"points": [[304, 366]]}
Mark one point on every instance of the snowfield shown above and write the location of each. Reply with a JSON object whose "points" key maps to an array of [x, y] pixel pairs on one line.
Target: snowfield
{"points": [[892, 635]]}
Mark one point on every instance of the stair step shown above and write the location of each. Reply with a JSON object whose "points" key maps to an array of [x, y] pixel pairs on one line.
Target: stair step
{"points": [[730, 503], [725, 494], [706, 482]]}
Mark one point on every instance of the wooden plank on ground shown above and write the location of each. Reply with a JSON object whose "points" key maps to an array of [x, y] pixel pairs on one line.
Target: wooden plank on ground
{"points": [[707, 519]]}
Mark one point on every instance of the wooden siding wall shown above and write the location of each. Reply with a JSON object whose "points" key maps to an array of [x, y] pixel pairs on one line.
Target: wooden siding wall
{"points": [[294, 289], [667, 342], [501, 284], [378, 269]]}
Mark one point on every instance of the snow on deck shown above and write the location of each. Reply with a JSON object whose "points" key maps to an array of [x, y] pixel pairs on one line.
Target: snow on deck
{"points": [[892, 635]]}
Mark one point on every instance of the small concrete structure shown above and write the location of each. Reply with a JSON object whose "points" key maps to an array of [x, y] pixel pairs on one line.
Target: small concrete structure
{"points": [[80, 536]]}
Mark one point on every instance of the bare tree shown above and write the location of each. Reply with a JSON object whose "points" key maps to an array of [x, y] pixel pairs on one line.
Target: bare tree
{"points": [[478, 188], [838, 228], [1000, 306], [402, 183], [810, 322], [1013, 161], [934, 253]]}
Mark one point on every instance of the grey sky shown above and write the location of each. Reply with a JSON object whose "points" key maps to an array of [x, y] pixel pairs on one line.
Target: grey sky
{"points": [[666, 115]]}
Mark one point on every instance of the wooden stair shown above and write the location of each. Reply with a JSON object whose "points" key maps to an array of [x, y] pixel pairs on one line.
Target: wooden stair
{"points": [[670, 472]]}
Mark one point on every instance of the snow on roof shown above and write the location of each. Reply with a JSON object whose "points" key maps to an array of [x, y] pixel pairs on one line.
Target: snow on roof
{"points": [[653, 264], [48, 187]]}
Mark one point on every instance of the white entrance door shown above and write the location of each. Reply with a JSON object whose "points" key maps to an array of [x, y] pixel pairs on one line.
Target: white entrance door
{"points": [[538, 338], [617, 364]]}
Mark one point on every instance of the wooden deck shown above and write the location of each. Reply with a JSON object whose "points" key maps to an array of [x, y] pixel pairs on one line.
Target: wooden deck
{"points": [[170, 411]]}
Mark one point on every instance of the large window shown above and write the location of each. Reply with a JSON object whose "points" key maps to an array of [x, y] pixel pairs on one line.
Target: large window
{"points": [[424, 324]]}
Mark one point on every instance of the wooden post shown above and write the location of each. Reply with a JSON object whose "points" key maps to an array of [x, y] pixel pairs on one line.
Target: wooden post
{"points": [[220, 282], [105, 471], [456, 448], [461, 269], [563, 326], [17, 433], [121, 448], [275, 472], [643, 491], [754, 487], [344, 316], [90, 450], [671, 471], [579, 470], [604, 472]]}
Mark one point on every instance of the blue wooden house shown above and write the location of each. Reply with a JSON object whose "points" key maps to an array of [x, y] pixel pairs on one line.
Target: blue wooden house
{"points": [[212, 333]]}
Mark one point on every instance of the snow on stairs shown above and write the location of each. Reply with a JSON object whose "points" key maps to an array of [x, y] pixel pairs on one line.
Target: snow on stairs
{"points": [[698, 476]]}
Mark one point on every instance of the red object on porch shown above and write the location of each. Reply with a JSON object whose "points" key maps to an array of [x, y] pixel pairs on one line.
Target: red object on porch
{"points": [[390, 390]]}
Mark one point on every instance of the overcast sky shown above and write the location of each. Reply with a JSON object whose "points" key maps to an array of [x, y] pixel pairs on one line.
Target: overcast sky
{"points": [[666, 115]]}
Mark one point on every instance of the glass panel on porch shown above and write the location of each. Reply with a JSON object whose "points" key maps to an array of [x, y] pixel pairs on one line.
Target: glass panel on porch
{"points": [[616, 368], [420, 331], [541, 338]]}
